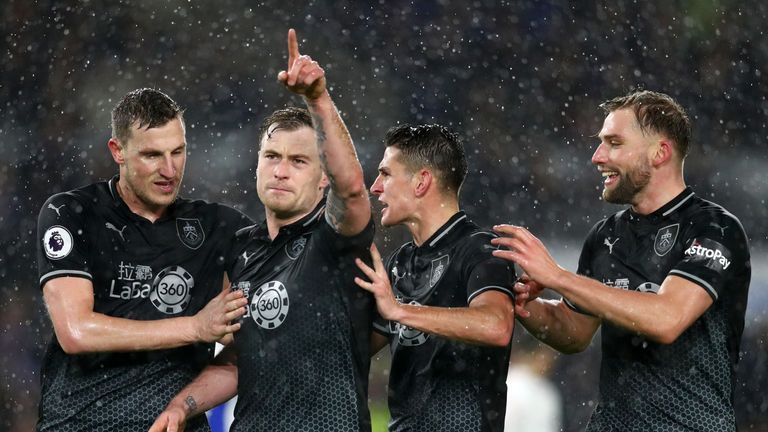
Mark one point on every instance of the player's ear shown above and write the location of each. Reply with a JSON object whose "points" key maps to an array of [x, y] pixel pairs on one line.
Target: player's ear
{"points": [[424, 180], [323, 181], [116, 150], [663, 151]]}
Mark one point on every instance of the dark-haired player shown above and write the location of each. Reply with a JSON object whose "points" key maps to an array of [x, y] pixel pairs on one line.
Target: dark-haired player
{"points": [[448, 311], [666, 279], [132, 278], [300, 361]]}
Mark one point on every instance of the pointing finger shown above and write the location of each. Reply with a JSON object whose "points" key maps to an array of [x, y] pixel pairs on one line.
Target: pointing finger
{"points": [[293, 48]]}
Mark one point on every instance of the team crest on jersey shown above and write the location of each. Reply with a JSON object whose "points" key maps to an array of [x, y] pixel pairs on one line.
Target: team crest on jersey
{"points": [[296, 247], [408, 336], [190, 232], [172, 290], [665, 239], [269, 305], [57, 242], [439, 266]]}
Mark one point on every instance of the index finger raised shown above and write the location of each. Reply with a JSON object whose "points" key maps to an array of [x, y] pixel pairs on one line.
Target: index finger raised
{"points": [[293, 47]]}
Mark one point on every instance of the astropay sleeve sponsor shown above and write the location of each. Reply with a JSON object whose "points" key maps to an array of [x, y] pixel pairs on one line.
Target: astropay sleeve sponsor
{"points": [[710, 253]]}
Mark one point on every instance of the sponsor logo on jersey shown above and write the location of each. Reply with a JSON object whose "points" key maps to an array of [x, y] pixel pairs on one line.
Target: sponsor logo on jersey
{"points": [[665, 239], [296, 247], [57, 242], [620, 283], [190, 232], [172, 290], [56, 209], [709, 252], [607, 242], [408, 336], [245, 287], [269, 305], [439, 265], [648, 287], [132, 281]]}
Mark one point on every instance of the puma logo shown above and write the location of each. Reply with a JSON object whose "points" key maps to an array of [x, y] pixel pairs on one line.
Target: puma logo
{"points": [[396, 276], [722, 229], [119, 231], [610, 244], [246, 257], [56, 209]]}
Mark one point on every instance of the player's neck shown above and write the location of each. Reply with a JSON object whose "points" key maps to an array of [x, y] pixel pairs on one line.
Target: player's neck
{"points": [[136, 205], [430, 218], [658, 193]]}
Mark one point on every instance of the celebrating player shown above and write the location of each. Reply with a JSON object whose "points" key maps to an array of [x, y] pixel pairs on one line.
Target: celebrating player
{"points": [[666, 279], [126, 269], [301, 359], [445, 302]]}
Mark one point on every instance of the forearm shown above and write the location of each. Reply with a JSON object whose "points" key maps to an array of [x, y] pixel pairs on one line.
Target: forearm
{"points": [[551, 322], [337, 152], [474, 325], [647, 314], [215, 385], [98, 333]]}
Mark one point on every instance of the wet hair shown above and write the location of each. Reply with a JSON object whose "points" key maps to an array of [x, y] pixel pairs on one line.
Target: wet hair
{"points": [[288, 119], [148, 107], [431, 146], [656, 112]]}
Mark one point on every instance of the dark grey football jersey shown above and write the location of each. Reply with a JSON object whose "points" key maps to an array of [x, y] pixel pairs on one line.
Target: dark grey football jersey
{"points": [[437, 384], [686, 385], [303, 348], [139, 270]]}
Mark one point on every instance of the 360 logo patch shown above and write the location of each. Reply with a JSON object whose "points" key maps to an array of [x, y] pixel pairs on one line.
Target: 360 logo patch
{"points": [[269, 305], [171, 290]]}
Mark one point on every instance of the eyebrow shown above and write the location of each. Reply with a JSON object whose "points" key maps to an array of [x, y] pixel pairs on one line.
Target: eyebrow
{"points": [[609, 137]]}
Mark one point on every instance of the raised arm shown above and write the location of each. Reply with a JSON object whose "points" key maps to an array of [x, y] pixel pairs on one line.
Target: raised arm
{"points": [[79, 329], [216, 384], [348, 208]]}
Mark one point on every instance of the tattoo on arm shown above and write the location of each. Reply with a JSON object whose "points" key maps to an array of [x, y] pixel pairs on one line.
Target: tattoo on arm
{"points": [[334, 211], [191, 403]]}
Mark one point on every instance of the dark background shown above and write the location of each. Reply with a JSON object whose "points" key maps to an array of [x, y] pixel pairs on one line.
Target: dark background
{"points": [[520, 80]]}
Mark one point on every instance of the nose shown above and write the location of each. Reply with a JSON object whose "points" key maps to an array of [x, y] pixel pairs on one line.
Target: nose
{"points": [[168, 169], [281, 169], [599, 156], [376, 187]]}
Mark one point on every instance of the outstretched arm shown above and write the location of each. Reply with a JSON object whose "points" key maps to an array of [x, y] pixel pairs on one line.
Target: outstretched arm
{"points": [[348, 208], [79, 329], [660, 317], [488, 320]]}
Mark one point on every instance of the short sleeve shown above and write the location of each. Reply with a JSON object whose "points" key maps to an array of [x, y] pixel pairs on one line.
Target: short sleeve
{"points": [[716, 251], [585, 264], [62, 247], [486, 272], [358, 244]]}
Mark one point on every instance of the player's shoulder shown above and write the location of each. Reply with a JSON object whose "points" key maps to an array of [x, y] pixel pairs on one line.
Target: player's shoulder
{"points": [[77, 200], [203, 208], [702, 211]]}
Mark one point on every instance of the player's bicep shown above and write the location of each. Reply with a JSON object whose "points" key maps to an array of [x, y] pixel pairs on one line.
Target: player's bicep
{"points": [[69, 301], [689, 300]]}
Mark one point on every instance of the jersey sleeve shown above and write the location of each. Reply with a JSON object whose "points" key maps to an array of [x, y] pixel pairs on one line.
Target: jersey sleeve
{"points": [[358, 244], [62, 247], [486, 272], [232, 222], [585, 264], [716, 250]]}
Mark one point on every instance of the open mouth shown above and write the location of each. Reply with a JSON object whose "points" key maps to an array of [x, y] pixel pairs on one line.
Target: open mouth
{"points": [[165, 186], [609, 177]]}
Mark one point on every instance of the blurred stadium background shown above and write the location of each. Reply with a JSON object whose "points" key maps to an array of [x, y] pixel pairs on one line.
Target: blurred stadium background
{"points": [[520, 80]]}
